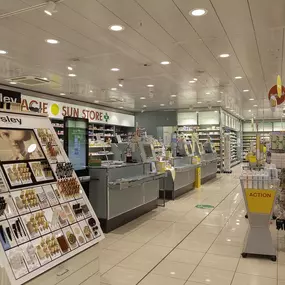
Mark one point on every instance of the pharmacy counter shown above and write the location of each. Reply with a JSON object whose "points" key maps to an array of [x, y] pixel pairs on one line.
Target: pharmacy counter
{"points": [[209, 163], [182, 179], [121, 193]]}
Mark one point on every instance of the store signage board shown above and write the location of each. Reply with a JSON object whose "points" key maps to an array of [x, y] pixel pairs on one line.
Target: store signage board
{"points": [[47, 220], [186, 118], [208, 118], [57, 110]]}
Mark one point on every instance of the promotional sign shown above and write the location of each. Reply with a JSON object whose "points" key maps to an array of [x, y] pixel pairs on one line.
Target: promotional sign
{"points": [[58, 110], [273, 97], [260, 201], [7, 97]]}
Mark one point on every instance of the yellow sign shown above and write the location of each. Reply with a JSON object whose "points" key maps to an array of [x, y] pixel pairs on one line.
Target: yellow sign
{"points": [[279, 86], [198, 177], [260, 201]]}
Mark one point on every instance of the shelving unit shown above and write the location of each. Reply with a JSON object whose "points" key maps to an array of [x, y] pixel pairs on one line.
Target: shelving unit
{"points": [[204, 131], [250, 137]]}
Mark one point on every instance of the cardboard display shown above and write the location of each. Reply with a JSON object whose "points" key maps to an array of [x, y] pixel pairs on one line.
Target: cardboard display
{"points": [[44, 220]]}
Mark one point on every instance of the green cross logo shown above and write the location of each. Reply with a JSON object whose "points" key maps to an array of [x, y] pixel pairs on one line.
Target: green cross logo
{"points": [[106, 117]]}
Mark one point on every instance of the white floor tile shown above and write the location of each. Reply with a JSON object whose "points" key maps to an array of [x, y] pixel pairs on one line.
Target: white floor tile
{"points": [[154, 279], [122, 276], [203, 229], [185, 256], [174, 269], [246, 279], [104, 267], [145, 258], [195, 242], [207, 275], [126, 246], [169, 237], [220, 262], [215, 220], [112, 257], [226, 250], [281, 271], [260, 267]]}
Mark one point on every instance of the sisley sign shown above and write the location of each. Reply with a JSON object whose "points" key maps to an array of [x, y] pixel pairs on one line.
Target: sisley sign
{"points": [[58, 110]]}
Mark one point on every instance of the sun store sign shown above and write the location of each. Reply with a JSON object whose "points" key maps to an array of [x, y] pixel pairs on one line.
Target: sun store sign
{"points": [[58, 110]]}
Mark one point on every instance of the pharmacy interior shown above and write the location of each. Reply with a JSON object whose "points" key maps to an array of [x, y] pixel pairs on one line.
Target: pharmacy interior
{"points": [[111, 113]]}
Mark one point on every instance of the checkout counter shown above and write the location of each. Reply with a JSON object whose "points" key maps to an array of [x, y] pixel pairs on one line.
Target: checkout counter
{"points": [[183, 176], [121, 192]]}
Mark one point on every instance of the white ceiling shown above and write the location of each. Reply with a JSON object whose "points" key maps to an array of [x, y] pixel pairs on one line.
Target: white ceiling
{"points": [[251, 31]]}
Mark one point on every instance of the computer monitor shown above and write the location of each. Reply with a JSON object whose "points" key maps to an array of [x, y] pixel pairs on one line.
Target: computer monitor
{"points": [[147, 152]]}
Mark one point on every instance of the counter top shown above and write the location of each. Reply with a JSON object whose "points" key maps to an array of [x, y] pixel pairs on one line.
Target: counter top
{"points": [[137, 178], [106, 166]]}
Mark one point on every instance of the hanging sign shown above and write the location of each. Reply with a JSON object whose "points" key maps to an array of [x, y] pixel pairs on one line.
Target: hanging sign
{"points": [[273, 97], [279, 86]]}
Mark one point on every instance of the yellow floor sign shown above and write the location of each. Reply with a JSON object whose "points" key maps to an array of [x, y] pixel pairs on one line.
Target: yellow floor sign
{"points": [[260, 201]]}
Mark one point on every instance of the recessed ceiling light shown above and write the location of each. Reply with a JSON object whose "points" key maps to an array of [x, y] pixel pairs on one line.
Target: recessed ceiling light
{"points": [[208, 93], [69, 68], [197, 112], [251, 99], [91, 91], [161, 105], [197, 12], [114, 89], [249, 110], [115, 69], [173, 95], [219, 101], [165, 62], [192, 81], [224, 55], [72, 75], [216, 111], [3, 51], [13, 82], [44, 78], [227, 107], [52, 41], [199, 102], [195, 79], [238, 77], [254, 105], [144, 106], [121, 107], [50, 8], [245, 90], [96, 101], [221, 92], [116, 28], [142, 98], [150, 85], [62, 94]]}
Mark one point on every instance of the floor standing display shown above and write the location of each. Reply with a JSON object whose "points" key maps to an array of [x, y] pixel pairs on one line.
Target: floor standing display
{"points": [[45, 216], [259, 191]]}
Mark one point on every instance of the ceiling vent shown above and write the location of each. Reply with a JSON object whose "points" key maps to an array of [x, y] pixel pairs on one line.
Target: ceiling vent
{"points": [[29, 80], [114, 100]]}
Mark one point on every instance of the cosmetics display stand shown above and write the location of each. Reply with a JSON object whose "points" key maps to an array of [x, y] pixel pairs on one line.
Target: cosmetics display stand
{"points": [[47, 224], [259, 192]]}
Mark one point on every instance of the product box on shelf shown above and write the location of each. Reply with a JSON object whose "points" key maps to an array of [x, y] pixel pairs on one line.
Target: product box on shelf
{"points": [[45, 216]]}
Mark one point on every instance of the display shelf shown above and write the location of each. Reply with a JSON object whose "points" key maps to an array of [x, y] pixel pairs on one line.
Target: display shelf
{"points": [[47, 218]]}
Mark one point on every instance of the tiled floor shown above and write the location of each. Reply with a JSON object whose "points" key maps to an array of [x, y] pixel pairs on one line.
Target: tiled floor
{"points": [[183, 245]]}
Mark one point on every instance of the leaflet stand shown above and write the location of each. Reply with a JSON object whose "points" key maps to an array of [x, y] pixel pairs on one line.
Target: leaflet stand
{"points": [[259, 204]]}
